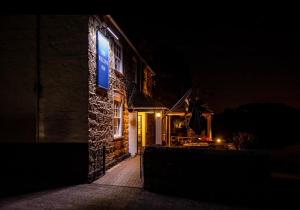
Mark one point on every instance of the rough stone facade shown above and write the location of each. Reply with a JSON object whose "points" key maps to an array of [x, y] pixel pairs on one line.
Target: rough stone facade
{"points": [[100, 109]]}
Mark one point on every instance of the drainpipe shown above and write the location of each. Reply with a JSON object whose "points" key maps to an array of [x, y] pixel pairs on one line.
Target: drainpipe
{"points": [[37, 77], [169, 128]]}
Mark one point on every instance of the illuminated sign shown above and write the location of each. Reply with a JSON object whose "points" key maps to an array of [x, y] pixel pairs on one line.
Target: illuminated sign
{"points": [[102, 61]]}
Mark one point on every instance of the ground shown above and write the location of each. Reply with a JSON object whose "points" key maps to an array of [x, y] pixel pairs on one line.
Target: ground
{"points": [[97, 196], [127, 173], [119, 188]]}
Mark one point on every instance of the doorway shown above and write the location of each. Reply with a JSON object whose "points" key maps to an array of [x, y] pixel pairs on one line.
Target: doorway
{"points": [[145, 130], [150, 129]]}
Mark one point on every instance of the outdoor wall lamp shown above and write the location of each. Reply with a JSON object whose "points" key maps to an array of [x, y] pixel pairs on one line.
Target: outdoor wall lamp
{"points": [[105, 28], [112, 33], [158, 114]]}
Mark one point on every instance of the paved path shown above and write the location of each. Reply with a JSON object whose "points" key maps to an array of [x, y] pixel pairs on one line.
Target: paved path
{"points": [[96, 196], [126, 173]]}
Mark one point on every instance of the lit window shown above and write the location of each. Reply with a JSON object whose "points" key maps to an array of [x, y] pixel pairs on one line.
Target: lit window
{"points": [[117, 56], [118, 118]]}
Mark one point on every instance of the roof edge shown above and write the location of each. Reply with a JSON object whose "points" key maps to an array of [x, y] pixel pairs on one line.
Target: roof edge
{"points": [[110, 18]]}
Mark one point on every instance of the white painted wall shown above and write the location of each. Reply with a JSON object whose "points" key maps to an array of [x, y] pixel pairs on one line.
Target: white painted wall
{"points": [[132, 133], [158, 128]]}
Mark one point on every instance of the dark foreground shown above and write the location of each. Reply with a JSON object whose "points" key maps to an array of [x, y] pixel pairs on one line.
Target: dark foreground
{"points": [[95, 196]]}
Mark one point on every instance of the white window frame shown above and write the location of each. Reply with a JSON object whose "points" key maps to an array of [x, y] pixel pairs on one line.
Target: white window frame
{"points": [[117, 55], [118, 115]]}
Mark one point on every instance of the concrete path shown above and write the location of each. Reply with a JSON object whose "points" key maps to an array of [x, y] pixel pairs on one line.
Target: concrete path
{"points": [[126, 173], [95, 196]]}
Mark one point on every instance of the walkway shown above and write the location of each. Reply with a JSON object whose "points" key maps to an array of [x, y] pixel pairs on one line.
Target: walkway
{"points": [[126, 173], [95, 196]]}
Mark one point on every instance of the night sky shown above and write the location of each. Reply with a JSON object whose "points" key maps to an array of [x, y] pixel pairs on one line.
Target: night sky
{"points": [[230, 58]]}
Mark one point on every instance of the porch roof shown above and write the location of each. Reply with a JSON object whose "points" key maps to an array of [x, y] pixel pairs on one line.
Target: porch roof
{"points": [[142, 101]]}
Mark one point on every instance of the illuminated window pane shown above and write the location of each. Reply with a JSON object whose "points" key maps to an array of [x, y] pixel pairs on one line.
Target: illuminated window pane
{"points": [[117, 118]]}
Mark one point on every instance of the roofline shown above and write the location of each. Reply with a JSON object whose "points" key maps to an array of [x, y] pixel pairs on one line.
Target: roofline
{"points": [[109, 17], [149, 108], [185, 113]]}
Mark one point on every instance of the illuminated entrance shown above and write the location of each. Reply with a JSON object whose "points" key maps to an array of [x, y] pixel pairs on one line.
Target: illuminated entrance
{"points": [[145, 129], [145, 122]]}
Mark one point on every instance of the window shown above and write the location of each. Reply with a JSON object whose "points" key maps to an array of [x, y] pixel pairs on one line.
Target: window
{"points": [[148, 82], [118, 118], [117, 56], [135, 69]]}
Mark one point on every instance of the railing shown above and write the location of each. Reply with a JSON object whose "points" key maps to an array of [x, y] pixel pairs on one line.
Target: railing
{"points": [[141, 161]]}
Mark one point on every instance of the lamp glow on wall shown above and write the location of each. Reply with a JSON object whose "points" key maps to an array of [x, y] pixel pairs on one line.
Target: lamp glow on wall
{"points": [[158, 114]]}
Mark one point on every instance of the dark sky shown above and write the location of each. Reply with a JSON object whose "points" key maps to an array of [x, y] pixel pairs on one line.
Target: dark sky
{"points": [[232, 58]]}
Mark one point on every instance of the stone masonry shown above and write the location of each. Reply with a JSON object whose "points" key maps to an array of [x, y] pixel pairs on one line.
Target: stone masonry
{"points": [[100, 109]]}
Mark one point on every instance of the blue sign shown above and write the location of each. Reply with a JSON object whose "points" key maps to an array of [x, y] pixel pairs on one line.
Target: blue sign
{"points": [[102, 61]]}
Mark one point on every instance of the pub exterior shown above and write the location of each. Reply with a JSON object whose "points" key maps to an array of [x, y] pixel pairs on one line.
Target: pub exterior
{"points": [[123, 116], [82, 87], [77, 100]]}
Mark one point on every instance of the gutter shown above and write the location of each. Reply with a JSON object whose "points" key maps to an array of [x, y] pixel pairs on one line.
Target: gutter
{"points": [[37, 85]]}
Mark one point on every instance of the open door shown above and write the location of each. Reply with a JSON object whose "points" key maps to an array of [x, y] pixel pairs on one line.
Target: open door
{"points": [[140, 134], [150, 129]]}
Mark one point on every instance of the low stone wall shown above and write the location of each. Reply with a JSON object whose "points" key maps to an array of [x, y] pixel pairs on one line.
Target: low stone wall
{"points": [[206, 174]]}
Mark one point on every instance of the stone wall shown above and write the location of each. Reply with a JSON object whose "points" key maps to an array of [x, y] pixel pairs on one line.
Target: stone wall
{"points": [[100, 109], [59, 106], [53, 95], [17, 76], [63, 98]]}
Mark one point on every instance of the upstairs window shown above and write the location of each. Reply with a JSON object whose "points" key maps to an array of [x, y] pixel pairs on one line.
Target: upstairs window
{"points": [[117, 56], [135, 70]]}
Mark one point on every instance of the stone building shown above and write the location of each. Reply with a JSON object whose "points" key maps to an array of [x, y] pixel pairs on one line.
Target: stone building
{"points": [[110, 122], [70, 110]]}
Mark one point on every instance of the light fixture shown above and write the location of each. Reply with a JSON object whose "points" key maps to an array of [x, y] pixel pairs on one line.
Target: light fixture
{"points": [[112, 33], [218, 140], [158, 114]]}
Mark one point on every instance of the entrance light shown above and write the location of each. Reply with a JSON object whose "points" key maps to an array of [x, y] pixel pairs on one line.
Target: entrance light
{"points": [[158, 114]]}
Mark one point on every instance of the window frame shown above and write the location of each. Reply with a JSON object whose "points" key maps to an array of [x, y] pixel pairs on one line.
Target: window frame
{"points": [[120, 118], [115, 44]]}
